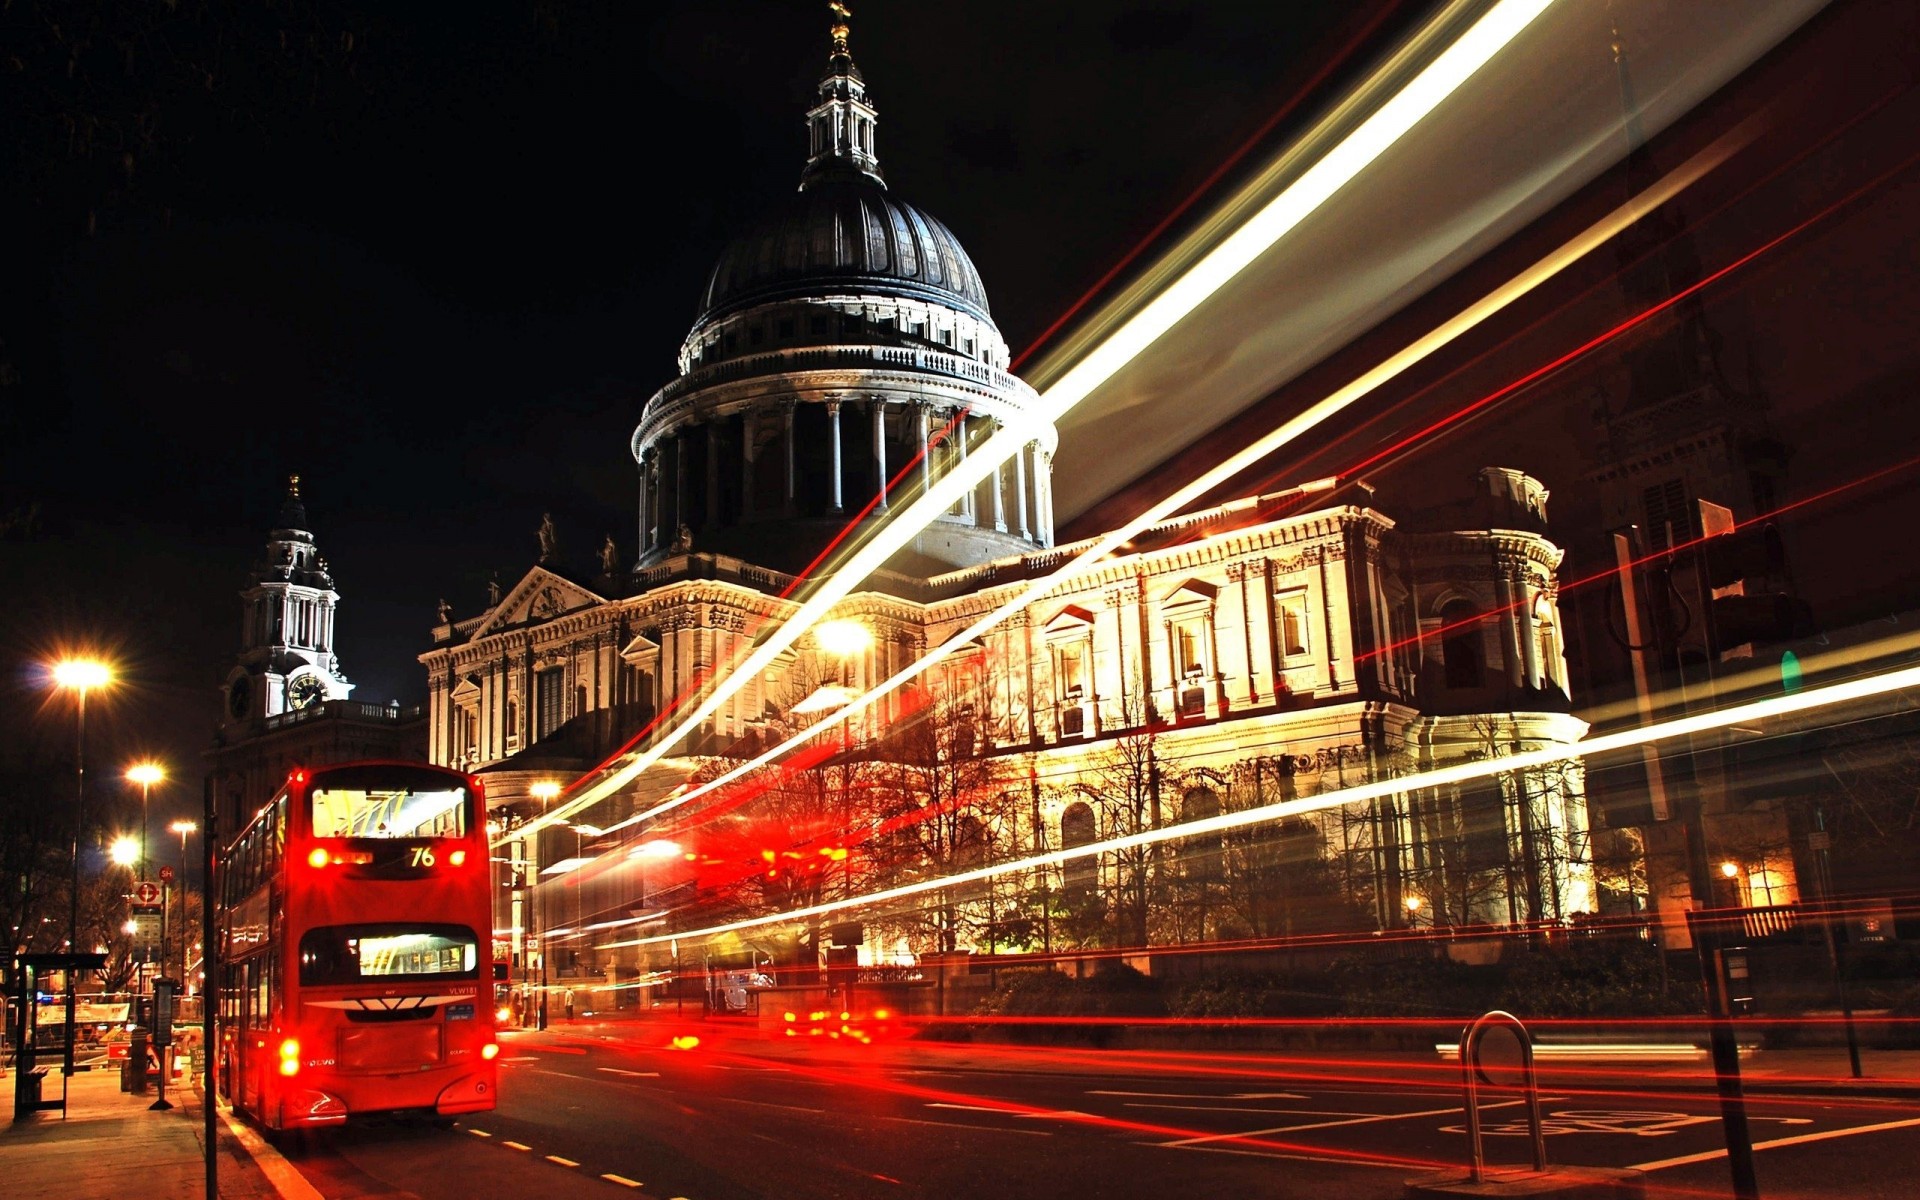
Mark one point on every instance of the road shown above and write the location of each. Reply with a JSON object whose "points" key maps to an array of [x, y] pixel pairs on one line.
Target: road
{"points": [[737, 1119]]}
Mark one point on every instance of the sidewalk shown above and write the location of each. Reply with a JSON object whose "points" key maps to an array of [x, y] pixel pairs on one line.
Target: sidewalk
{"points": [[111, 1147]]}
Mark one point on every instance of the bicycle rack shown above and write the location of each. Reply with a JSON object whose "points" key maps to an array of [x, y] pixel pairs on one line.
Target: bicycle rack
{"points": [[1473, 1075]]}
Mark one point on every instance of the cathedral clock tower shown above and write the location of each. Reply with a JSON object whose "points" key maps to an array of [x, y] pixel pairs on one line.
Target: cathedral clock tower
{"points": [[286, 663]]}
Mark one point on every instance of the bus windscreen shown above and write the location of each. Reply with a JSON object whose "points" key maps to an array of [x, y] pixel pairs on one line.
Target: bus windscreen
{"points": [[389, 812], [332, 955]]}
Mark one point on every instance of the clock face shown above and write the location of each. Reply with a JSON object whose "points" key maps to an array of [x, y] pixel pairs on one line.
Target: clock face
{"points": [[239, 695], [305, 691]]}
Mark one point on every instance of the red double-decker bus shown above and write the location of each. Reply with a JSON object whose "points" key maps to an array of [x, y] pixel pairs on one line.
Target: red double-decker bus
{"points": [[356, 940]]}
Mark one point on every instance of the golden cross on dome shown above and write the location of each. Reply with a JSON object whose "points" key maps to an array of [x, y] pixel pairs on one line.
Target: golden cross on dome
{"points": [[840, 14], [293, 487]]}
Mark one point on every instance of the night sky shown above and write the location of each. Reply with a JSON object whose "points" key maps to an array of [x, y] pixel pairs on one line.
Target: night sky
{"points": [[435, 259]]}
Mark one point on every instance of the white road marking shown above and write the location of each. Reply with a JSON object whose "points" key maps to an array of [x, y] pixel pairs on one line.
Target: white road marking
{"points": [[976, 1128], [1303, 1112], [565, 1162], [479, 1133], [636, 1074], [516, 1146], [1205, 1095], [1002, 1112], [1345, 1162], [622, 1180], [1776, 1143], [522, 1058], [1431, 1112]]}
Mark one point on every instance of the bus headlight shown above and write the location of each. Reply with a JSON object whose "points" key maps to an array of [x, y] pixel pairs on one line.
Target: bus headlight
{"points": [[489, 1050], [317, 858], [290, 1057]]}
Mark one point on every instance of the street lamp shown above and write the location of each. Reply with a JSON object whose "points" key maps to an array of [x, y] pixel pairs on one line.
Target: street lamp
{"points": [[545, 791], [1413, 904], [183, 828], [145, 774], [124, 852], [79, 676]]}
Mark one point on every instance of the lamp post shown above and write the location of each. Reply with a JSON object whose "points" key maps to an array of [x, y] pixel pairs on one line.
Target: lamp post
{"points": [[544, 791], [78, 676], [183, 828], [147, 774]]}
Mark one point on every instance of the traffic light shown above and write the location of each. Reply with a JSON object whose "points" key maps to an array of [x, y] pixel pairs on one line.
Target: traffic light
{"points": [[1743, 570]]}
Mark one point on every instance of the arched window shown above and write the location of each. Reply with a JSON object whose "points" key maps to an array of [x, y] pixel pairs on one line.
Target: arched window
{"points": [[1077, 828], [1460, 644], [1205, 857]]}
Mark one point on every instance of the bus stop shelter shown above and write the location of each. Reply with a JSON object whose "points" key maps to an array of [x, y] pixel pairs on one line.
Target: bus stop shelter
{"points": [[29, 1076]]}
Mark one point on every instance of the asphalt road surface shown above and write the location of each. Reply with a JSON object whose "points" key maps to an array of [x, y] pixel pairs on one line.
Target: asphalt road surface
{"points": [[736, 1118]]}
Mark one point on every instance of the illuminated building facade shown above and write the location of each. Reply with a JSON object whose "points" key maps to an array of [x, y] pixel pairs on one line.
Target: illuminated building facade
{"points": [[1271, 648]]}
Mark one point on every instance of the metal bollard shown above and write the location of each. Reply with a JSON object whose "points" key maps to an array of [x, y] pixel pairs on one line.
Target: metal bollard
{"points": [[1471, 1073]]}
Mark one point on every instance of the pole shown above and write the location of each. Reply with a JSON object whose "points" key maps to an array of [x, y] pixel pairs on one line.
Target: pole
{"points": [[73, 896], [146, 976], [209, 989], [1836, 948]]}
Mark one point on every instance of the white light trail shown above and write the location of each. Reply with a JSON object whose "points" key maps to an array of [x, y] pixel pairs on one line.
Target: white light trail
{"points": [[1096, 551], [1388, 124], [1758, 710]]}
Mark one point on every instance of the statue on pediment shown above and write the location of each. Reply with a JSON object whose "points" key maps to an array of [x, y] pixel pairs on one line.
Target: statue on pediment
{"points": [[549, 539]]}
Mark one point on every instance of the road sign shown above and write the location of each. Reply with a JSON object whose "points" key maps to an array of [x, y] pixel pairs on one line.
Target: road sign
{"points": [[146, 894], [166, 875]]}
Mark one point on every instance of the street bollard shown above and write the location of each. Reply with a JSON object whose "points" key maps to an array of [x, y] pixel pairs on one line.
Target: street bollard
{"points": [[137, 1062]]}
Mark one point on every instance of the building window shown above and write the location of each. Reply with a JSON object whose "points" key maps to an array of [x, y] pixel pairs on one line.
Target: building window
{"points": [[1671, 518], [1204, 855], [1460, 644], [1190, 648], [550, 698], [1544, 636], [1077, 828], [1290, 610]]}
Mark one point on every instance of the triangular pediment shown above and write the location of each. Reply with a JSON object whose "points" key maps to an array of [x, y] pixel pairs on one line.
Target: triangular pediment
{"points": [[639, 649], [1193, 591], [540, 596], [466, 689], [1069, 622]]}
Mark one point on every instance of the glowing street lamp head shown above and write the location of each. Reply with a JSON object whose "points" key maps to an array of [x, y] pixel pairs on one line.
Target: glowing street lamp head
{"points": [[842, 638], [81, 674], [1412, 903], [545, 789], [146, 774], [183, 828], [124, 852], [1730, 870]]}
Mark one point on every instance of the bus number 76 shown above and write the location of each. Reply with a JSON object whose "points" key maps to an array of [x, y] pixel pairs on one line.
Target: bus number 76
{"points": [[422, 856]]}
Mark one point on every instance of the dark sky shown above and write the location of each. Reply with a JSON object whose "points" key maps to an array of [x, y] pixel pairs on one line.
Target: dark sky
{"points": [[435, 258]]}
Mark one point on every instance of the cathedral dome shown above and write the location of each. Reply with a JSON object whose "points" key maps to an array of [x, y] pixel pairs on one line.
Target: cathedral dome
{"points": [[839, 236]]}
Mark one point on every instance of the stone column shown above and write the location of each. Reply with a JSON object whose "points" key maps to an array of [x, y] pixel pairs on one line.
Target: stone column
{"points": [[833, 437], [1043, 496], [879, 407], [642, 540], [999, 497], [1020, 489], [923, 413], [786, 413], [712, 464], [958, 439], [749, 430], [670, 536]]}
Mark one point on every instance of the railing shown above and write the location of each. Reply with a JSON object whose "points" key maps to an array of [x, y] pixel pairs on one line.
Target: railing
{"points": [[1774, 919], [353, 710]]}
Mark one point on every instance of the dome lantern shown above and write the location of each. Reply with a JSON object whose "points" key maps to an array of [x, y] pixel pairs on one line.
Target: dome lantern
{"points": [[841, 128]]}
